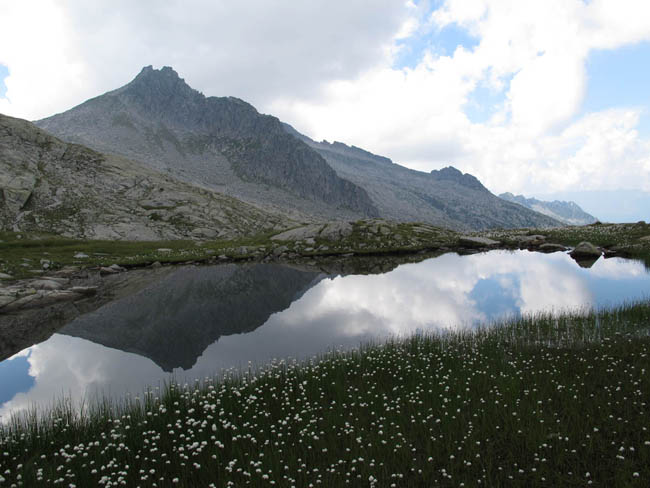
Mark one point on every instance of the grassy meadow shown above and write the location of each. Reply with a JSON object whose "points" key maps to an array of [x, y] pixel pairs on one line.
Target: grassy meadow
{"points": [[533, 401]]}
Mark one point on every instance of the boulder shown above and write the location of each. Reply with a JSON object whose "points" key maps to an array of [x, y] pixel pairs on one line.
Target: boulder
{"points": [[204, 233], [298, 234], [84, 290], [80, 255], [549, 248], [585, 250], [67, 271], [534, 240], [112, 269], [45, 298], [278, 251], [336, 231], [5, 276], [46, 284], [474, 242]]}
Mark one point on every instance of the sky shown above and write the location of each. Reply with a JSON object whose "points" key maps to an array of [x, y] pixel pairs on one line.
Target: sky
{"points": [[531, 96]]}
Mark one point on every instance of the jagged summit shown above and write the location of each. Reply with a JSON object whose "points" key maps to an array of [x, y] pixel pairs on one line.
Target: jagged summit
{"points": [[450, 173], [220, 142], [163, 81]]}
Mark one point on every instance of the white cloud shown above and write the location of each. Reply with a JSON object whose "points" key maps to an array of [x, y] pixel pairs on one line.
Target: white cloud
{"points": [[327, 68], [536, 53], [62, 53]]}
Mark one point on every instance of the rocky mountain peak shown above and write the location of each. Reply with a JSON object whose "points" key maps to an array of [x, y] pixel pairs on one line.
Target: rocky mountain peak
{"points": [[165, 78], [452, 174], [160, 120], [159, 92]]}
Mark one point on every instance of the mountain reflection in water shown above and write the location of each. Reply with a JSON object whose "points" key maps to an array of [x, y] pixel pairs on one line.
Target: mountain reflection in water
{"points": [[199, 320]]}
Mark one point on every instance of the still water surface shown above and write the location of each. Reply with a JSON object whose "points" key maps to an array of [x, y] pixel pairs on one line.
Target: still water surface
{"points": [[198, 320]]}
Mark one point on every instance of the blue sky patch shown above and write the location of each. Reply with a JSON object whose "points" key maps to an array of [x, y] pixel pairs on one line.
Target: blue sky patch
{"points": [[620, 78], [494, 299], [485, 101], [442, 42], [14, 378], [4, 72]]}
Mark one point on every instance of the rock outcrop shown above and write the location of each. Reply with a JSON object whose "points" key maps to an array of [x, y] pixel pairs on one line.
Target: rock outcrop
{"points": [[586, 250], [48, 185]]}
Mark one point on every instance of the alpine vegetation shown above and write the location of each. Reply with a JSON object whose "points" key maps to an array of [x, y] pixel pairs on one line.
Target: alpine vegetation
{"points": [[535, 401]]}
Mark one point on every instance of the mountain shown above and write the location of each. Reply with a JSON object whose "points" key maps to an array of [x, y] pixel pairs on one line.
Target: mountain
{"points": [[221, 142], [224, 144], [621, 205], [567, 212], [68, 189], [175, 319], [445, 197]]}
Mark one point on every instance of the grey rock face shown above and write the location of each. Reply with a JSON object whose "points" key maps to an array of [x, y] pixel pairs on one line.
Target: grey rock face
{"points": [[551, 248], [333, 231], [586, 250], [474, 242], [221, 142], [445, 198], [452, 174], [67, 189], [567, 212]]}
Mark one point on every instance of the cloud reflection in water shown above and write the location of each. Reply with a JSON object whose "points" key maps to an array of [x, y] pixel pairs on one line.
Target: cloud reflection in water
{"points": [[447, 291]]}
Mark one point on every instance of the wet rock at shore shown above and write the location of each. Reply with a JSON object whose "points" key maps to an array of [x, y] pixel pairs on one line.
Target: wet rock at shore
{"points": [[550, 248], [532, 241], [112, 269], [48, 284], [476, 242], [44, 298], [585, 250]]}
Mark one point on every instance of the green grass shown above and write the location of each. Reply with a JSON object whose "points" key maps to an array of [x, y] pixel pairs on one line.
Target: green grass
{"points": [[534, 401], [18, 256], [626, 239]]}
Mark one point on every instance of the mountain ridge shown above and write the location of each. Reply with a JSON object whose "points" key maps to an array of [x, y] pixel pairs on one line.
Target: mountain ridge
{"points": [[158, 119], [224, 144], [445, 197], [565, 211]]}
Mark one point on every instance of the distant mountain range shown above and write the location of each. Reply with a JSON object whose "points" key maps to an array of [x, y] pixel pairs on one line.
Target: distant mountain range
{"points": [[621, 205], [223, 146], [567, 212]]}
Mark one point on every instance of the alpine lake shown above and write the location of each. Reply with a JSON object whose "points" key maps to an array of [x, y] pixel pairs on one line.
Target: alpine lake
{"points": [[187, 322]]}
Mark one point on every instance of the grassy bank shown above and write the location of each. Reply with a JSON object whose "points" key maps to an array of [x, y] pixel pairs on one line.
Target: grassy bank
{"points": [[537, 401], [22, 255]]}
